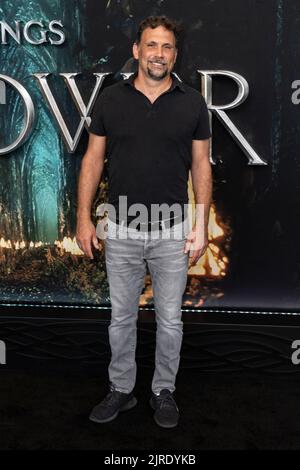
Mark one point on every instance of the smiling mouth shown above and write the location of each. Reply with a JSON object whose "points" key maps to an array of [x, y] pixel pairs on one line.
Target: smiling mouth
{"points": [[157, 64]]}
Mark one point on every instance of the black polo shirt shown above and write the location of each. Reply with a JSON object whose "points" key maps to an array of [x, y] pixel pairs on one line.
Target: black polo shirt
{"points": [[149, 145]]}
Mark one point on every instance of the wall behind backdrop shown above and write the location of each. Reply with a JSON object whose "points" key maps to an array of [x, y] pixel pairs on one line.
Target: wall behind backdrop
{"points": [[253, 259]]}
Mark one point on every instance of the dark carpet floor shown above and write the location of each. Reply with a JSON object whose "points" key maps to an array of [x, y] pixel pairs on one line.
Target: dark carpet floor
{"points": [[49, 410]]}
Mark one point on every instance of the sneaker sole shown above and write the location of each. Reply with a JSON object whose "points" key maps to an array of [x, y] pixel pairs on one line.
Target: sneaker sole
{"points": [[161, 425], [130, 404]]}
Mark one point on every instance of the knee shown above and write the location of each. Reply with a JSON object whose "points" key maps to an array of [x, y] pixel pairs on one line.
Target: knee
{"points": [[167, 321], [123, 320]]}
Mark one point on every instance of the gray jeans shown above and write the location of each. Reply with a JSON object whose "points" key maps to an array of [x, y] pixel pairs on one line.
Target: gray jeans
{"points": [[126, 268]]}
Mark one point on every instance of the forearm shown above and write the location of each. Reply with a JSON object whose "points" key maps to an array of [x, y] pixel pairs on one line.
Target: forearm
{"points": [[202, 186], [90, 175]]}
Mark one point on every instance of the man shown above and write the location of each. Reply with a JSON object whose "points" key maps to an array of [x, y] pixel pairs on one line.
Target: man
{"points": [[154, 129]]}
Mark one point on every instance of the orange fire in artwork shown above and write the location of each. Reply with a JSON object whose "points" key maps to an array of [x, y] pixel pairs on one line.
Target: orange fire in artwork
{"points": [[214, 261]]}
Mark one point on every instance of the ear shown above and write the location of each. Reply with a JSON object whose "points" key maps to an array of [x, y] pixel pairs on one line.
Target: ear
{"points": [[135, 51]]}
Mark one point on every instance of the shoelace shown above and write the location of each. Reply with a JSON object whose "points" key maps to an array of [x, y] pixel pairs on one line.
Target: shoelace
{"points": [[166, 400], [110, 397]]}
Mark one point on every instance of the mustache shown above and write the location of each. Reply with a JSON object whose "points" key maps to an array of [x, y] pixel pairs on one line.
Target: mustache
{"points": [[158, 61]]}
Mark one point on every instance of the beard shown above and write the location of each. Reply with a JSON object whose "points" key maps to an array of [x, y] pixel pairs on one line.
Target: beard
{"points": [[157, 74]]}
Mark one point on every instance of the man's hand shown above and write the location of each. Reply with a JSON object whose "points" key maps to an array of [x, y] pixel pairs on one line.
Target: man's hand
{"points": [[90, 174], [86, 236], [196, 244]]}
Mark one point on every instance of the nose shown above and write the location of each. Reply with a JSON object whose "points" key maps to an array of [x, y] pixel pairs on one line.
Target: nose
{"points": [[159, 51]]}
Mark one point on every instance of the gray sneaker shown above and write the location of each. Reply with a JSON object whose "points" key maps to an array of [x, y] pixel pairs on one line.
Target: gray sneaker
{"points": [[109, 408], [166, 411]]}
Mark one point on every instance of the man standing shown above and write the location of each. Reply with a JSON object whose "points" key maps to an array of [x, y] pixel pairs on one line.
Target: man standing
{"points": [[154, 129]]}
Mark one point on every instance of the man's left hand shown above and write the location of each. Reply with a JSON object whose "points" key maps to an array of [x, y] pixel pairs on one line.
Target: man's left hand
{"points": [[196, 244]]}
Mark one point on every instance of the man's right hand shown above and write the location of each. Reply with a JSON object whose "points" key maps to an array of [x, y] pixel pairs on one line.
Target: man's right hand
{"points": [[91, 169], [86, 236]]}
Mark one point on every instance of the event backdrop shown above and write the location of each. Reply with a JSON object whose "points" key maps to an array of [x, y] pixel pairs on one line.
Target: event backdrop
{"points": [[253, 258]]}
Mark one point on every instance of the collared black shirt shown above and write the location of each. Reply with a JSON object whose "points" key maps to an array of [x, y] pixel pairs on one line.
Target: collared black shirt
{"points": [[149, 145]]}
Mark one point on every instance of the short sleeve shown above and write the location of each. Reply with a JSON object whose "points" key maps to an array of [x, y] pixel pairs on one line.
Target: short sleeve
{"points": [[202, 130], [97, 116]]}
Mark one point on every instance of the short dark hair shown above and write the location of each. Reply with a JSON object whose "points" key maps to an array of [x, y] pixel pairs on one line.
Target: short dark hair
{"points": [[155, 21]]}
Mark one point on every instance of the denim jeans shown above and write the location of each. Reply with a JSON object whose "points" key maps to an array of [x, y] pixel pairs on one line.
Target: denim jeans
{"points": [[126, 268]]}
